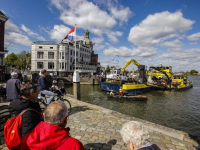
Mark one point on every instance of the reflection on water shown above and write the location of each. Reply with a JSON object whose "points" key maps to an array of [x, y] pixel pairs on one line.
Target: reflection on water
{"points": [[176, 109]]}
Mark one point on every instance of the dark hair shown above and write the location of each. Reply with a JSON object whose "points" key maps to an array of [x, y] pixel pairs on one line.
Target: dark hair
{"points": [[26, 88], [43, 71]]}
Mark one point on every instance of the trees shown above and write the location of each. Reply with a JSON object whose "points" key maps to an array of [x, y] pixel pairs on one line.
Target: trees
{"points": [[21, 60], [108, 68], [24, 59], [193, 72], [10, 60]]}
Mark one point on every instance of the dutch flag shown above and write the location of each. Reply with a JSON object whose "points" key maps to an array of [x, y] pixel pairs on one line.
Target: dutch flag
{"points": [[71, 35]]}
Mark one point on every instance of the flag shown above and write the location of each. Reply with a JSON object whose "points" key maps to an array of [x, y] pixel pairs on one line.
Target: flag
{"points": [[70, 36]]}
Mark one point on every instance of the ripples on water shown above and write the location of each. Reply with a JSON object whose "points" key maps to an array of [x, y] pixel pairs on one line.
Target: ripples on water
{"points": [[176, 109]]}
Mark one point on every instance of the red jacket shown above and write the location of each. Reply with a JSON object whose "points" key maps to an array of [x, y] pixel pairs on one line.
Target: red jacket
{"points": [[46, 136]]}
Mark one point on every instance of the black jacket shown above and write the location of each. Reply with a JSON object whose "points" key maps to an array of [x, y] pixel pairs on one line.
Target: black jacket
{"points": [[30, 118], [152, 147]]}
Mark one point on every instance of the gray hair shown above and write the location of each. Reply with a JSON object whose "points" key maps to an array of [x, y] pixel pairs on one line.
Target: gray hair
{"points": [[56, 113], [13, 74], [26, 88], [135, 132]]}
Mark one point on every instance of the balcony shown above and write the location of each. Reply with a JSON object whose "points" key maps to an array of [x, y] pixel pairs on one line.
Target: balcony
{"points": [[3, 49]]}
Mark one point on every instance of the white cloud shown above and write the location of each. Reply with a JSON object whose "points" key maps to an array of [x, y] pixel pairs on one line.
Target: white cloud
{"points": [[18, 38], [172, 44], [126, 52], [112, 35], [97, 40], [10, 26], [31, 33], [96, 31], [159, 27], [87, 15], [59, 32], [189, 54], [194, 38], [98, 47], [122, 14], [107, 44], [83, 13]]}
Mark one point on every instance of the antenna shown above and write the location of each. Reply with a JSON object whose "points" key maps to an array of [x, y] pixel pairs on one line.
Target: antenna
{"points": [[8, 45]]}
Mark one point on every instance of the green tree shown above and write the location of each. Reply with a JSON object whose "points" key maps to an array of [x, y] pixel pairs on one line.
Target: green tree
{"points": [[108, 68], [24, 59], [193, 71], [112, 67], [11, 59]]}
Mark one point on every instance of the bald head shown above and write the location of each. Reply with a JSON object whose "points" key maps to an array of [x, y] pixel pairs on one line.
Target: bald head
{"points": [[56, 113]]}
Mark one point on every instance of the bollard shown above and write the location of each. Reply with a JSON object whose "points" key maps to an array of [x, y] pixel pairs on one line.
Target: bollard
{"points": [[76, 85], [93, 81]]}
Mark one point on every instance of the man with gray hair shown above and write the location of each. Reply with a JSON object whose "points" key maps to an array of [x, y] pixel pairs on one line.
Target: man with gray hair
{"points": [[136, 137], [13, 86], [52, 134]]}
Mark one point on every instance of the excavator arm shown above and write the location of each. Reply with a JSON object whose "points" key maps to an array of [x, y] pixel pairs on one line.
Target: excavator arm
{"points": [[160, 70], [129, 62]]}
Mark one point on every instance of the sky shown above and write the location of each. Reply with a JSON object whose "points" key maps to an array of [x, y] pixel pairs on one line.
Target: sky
{"points": [[153, 32]]}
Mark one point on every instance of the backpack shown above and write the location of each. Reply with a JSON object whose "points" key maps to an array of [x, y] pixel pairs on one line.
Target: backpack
{"points": [[12, 130]]}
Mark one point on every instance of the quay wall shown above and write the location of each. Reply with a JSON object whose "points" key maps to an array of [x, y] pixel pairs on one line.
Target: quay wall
{"points": [[180, 135], [99, 128]]}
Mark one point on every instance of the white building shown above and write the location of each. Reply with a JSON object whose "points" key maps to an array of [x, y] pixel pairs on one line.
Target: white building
{"points": [[60, 57]]}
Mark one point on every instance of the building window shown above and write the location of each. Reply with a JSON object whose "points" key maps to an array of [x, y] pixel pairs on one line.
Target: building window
{"points": [[51, 55], [51, 47], [50, 65], [40, 55], [65, 65], [62, 65], [70, 59], [63, 55], [76, 53], [60, 55], [71, 52], [40, 65], [40, 46]]}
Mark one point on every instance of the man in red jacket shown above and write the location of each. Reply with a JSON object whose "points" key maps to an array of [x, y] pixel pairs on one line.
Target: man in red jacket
{"points": [[52, 134]]}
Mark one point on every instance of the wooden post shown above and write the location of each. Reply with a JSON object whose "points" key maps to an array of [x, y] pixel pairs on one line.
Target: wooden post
{"points": [[76, 85]]}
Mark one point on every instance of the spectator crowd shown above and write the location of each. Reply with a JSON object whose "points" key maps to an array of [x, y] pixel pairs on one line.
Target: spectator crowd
{"points": [[46, 130]]}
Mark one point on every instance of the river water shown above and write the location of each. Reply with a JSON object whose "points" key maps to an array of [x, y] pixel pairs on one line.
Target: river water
{"points": [[175, 109]]}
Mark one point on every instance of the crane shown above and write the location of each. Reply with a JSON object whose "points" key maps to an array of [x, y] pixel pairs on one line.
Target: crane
{"points": [[129, 62], [141, 69]]}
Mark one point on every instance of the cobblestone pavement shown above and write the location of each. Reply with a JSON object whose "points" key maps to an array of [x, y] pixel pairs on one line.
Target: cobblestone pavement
{"points": [[99, 130]]}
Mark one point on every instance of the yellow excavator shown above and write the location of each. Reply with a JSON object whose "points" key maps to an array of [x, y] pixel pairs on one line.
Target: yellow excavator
{"points": [[141, 69], [129, 62]]}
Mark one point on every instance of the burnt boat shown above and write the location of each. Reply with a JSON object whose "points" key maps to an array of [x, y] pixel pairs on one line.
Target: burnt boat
{"points": [[129, 97]]}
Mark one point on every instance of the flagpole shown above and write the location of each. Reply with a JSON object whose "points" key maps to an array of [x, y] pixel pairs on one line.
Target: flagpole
{"points": [[75, 47]]}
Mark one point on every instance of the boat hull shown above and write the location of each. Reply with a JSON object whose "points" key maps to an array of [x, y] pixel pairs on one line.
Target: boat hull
{"points": [[181, 88], [133, 89]]}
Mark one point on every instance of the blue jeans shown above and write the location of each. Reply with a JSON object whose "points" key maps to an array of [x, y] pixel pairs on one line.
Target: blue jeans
{"points": [[49, 93]]}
